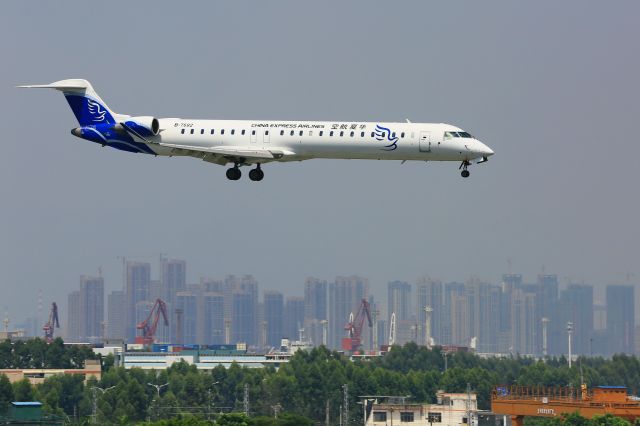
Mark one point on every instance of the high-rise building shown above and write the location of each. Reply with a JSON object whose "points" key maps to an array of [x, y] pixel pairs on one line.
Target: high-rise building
{"points": [[116, 309], [454, 319], [137, 290], [576, 306], [243, 319], [173, 279], [293, 317], [621, 319], [487, 314], [274, 317], [429, 294], [315, 309], [187, 302], [547, 306], [241, 306], [399, 302], [213, 317], [345, 297], [73, 317], [523, 322], [91, 309]]}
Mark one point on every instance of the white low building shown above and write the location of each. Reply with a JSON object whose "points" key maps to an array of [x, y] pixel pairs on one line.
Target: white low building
{"points": [[451, 409]]}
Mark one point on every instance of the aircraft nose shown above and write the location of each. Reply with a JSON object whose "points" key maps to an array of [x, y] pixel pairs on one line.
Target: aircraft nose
{"points": [[484, 150]]}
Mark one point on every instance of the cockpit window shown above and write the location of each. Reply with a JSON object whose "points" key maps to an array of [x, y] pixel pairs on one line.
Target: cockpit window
{"points": [[449, 135]]}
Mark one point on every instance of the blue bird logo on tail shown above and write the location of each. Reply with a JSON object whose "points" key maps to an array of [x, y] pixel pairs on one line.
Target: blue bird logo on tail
{"points": [[95, 110], [385, 134]]}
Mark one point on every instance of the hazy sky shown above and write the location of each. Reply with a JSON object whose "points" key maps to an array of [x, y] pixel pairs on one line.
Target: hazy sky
{"points": [[551, 86]]}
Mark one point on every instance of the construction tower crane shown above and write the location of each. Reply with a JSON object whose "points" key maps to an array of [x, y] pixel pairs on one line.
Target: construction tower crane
{"points": [[148, 327], [51, 324], [353, 343]]}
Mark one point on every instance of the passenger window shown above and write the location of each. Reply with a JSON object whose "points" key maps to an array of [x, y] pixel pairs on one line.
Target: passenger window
{"points": [[300, 132], [233, 131], [211, 131], [321, 132], [341, 133], [253, 132], [281, 132], [362, 134], [192, 130], [331, 133], [202, 131], [393, 135], [183, 131], [291, 133], [372, 134], [222, 132], [402, 135], [352, 133], [243, 132], [266, 132]]}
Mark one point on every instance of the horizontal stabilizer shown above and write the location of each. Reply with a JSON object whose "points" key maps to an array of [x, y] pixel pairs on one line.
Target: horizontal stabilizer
{"points": [[74, 84]]}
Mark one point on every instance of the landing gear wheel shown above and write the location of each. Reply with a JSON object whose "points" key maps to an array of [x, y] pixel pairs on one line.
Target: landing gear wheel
{"points": [[234, 173], [256, 174], [465, 173]]}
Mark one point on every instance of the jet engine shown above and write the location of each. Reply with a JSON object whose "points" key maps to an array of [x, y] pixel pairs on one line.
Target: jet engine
{"points": [[142, 126]]}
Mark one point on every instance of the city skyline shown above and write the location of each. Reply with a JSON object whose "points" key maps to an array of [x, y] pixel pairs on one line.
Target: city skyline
{"points": [[505, 316]]}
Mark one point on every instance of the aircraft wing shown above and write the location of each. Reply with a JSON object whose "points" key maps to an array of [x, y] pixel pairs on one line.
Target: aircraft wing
{"points": [[227, 154]]}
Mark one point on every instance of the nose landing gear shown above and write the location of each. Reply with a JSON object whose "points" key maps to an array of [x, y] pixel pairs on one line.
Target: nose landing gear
{"points": [[465, 173]]}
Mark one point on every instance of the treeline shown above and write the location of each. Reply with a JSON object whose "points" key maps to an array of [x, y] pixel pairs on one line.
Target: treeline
{"points": [[36, 353], [304, 386]]}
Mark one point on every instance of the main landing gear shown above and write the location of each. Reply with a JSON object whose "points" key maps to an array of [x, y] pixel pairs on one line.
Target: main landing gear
{"points": [[234, 173], [465, 173], [256, 174]]}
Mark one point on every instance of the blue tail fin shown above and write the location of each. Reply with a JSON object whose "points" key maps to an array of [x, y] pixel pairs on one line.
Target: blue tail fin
{"points": [[85, 103]]}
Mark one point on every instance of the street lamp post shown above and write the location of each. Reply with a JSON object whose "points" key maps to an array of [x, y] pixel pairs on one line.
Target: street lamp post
{"points": [[95, 389], [209, 399], [158, 387]]}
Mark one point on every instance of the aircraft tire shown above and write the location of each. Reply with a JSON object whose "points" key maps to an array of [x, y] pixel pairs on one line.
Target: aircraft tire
{"points": [[256, 175], [465, 173], [234, 173]]}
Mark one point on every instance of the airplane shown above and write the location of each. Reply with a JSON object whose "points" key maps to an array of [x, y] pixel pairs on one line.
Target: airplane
{"points": [[257, 142]]}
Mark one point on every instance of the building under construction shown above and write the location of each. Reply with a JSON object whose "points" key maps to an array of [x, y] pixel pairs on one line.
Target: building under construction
{"points": [[539, 401]]}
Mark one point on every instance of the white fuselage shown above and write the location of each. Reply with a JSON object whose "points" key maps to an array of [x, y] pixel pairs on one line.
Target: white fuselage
{"points": [[301, 140]]}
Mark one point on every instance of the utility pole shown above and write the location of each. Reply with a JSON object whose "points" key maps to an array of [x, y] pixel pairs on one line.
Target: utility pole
{"points": [[545, 325], [427, 326], [326, 414], [345, 390], [324, 332], [246, 399], [469, 404], [569, 332]]}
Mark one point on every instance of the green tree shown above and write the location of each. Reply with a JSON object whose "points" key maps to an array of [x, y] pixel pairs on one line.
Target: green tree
{"points": [[23, 391], [233, 419], [6, 393]]}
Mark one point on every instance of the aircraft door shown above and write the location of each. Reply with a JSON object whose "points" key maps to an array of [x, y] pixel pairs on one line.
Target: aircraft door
{"points": [[254, 137], [266, 138], [425, 141]]}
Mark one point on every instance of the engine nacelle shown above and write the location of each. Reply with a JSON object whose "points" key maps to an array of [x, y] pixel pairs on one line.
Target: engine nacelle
{"points": [[143, 126]]}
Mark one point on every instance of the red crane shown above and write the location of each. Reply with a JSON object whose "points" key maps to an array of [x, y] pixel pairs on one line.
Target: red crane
{"points": [[51, 324], [148, 326], [353, 343]]}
